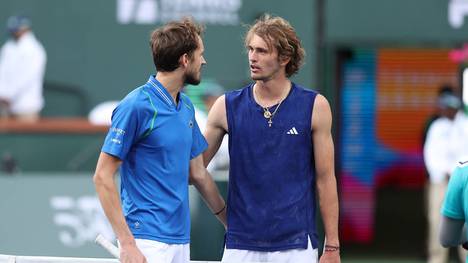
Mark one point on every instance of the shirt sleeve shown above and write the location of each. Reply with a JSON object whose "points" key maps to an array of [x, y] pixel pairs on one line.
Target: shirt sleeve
{"points": [[124, 131], [199, 143], [453, 203]]}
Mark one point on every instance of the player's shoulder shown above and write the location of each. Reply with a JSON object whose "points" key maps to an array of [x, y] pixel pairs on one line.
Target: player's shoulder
{"points": [[137, 100], [237, 95], [462, 169], [134, 96], [304, 90], [238, 92], [310, 95], [460, 174]]}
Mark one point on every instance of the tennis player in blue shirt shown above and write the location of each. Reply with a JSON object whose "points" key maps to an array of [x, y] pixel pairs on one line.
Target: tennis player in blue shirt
{"points": [[155, 140]]}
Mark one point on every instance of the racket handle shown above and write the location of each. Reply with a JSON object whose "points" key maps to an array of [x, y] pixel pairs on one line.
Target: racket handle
{"points": [[107, 245]]}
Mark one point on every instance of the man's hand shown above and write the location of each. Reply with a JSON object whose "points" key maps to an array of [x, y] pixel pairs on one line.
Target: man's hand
{"points": [[330, 257], [131, 254]]}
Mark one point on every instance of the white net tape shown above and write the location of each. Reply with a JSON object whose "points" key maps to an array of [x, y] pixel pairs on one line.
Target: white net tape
{"points": [[29, 259]]}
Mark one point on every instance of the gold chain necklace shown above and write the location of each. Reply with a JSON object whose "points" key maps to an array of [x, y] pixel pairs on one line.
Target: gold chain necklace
{"points": [[267, 113]]}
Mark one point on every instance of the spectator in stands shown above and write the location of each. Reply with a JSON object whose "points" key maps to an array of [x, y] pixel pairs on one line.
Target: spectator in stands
{"points": [[22, 68], [445, 89]]}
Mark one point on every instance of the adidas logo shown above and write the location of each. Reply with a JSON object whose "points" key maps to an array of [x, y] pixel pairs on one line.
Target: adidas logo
{"points": [[293, 131]]}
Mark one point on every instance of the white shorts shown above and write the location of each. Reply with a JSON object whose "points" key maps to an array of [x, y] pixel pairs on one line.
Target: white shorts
{"points": [[159, 252], [299, 255]]}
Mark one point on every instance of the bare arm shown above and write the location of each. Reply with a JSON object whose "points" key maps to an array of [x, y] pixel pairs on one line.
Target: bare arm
{"points": [[204, 183], [216, 128], [325, 174], [452, 232], [106, 189]]}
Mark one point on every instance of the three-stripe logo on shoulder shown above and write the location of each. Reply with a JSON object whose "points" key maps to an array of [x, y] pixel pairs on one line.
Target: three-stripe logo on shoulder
{"points": [[292, 131]]}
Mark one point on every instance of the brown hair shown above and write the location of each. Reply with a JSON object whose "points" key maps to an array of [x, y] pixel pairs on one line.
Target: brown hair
{"points": [[169, 42], [278, 33]]}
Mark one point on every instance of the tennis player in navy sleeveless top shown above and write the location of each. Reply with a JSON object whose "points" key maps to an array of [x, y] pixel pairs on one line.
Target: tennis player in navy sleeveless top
{"points": [[281, 155]]}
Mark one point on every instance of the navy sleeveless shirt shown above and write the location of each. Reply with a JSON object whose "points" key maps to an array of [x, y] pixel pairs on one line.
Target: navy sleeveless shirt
{"points": [[271, 195]]}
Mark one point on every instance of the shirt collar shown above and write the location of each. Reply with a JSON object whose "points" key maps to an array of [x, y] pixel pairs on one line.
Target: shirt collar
{"points": [[162, 93], [160, 90]]}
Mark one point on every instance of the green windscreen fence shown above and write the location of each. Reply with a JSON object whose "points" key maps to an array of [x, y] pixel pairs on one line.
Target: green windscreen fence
{"points": [[98, 50], [59, 214]]}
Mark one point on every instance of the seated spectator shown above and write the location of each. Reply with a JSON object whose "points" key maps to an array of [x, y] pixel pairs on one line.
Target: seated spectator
{"points": [[22, 68]]}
